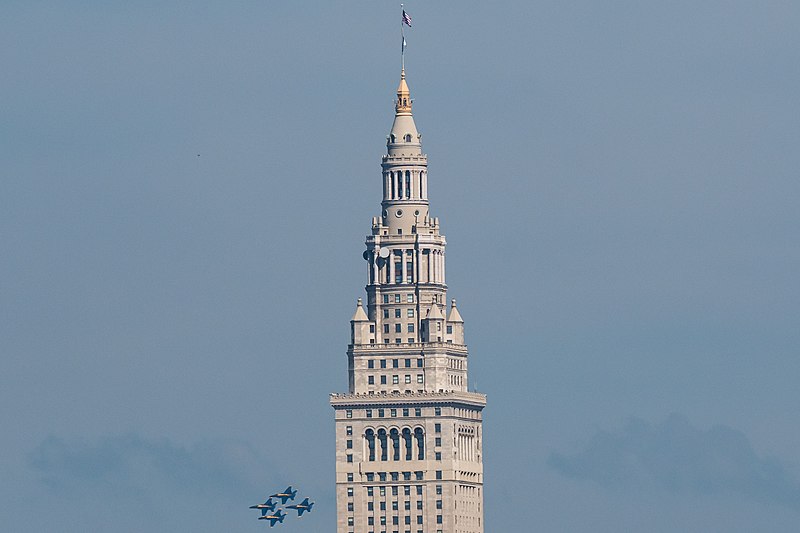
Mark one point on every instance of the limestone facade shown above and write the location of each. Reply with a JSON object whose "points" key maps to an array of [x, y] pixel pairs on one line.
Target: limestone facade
{"points": [[408, 432]]}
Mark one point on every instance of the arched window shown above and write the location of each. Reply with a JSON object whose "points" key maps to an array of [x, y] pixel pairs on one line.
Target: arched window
{"points": [[384, 444], [421, 174], [392, 138], [370, 435], [394, 188], [408, 184], [420, 443], [408, 137], [395, 444], [407, 441]]}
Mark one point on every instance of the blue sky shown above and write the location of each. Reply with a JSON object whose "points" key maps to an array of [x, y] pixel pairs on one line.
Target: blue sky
{"points": [[186, 187]]}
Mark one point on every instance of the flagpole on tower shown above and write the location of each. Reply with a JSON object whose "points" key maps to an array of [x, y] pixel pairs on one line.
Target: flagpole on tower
{"points": [[403, 40]]}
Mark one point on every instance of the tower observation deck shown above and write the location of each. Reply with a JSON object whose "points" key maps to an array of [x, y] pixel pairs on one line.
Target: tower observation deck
{"points": [[409, 456]]}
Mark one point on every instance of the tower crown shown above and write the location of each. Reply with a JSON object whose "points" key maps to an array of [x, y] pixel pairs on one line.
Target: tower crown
{"points": [[404, 139], [403, 104]]}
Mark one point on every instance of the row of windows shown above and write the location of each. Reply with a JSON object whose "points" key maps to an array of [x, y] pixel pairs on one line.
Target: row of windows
{"points": [[396, 520], [437, 456], [398, 340], [398, 328], [406, 531], [417, 412], [395, 489], [395, 381], [397, 531], [396, 505], [398, 298], [395, 476], [437, 411], [398, 313], [395, 363]]}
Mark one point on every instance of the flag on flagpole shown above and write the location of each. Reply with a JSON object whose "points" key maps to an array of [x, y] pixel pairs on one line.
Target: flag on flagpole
{"points": [[406, 18]]}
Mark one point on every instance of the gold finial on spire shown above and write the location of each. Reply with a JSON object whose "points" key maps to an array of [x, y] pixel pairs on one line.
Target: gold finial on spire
{"points": [[403, 104]]}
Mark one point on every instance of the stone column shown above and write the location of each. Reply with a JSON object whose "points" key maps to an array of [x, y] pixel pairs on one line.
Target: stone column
{"points": [[403, 266], [429, 258], [416, 264], [400, 184]]}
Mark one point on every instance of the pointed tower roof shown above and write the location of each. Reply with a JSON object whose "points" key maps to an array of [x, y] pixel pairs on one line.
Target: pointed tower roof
{"points": [[359, 315], [403, 104], [454, 315], [404, 137], [434, 313]]}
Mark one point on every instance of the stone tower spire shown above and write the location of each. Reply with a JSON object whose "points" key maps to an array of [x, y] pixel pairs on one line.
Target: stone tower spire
{"points": [[409, 432]]}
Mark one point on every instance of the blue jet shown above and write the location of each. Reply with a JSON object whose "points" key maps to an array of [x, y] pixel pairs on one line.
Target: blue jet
{"points": [[288, 494], [300, 507], [268, 505], [277, 516]]}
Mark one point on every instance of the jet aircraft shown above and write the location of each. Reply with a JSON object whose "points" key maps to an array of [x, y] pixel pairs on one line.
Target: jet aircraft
{"points": [[288, 494], [268, 505], [277, 516], [300, 507]]}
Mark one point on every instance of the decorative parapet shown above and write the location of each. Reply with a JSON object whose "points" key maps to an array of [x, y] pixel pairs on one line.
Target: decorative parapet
{"points": [[473, 399], [423, 158], [405, 347]]}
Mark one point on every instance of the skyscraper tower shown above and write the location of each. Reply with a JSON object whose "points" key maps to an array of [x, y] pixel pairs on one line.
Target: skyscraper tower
{"points": [[408, 432]]}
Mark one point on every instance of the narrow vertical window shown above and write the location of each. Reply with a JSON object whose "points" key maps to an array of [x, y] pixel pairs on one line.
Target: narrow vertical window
{"points": [[395, 435], [370, 436], [420, 443], [384, 444], [407, 442]]}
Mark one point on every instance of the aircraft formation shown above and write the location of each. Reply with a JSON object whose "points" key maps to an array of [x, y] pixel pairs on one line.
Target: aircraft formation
{"points": [[270, 510]]}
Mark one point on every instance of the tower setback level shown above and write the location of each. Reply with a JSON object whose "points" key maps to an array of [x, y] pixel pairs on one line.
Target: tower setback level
{"points": [[408, 432]]}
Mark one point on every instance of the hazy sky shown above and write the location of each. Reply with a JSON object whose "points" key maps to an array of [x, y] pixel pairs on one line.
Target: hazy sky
{"points": [[184, 193]]}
